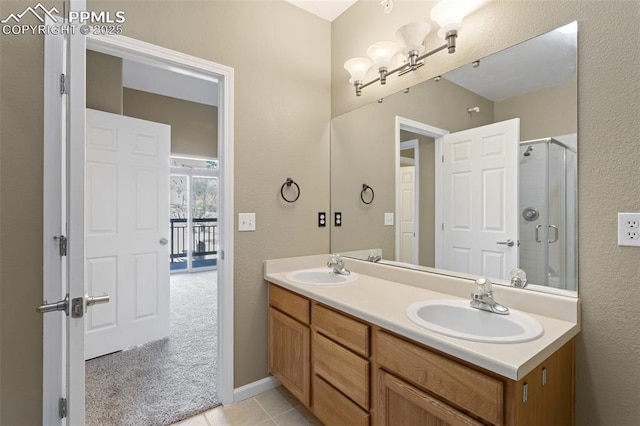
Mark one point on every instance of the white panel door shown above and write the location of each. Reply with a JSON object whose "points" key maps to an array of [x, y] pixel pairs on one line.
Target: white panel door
{"points": [[126, 231], [480, 199], [407, 214]]}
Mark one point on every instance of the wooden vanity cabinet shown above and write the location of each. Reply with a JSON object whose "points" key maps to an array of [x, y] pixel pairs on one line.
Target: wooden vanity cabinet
{"points": [[418, 386], [349, 372], [289, 342]]}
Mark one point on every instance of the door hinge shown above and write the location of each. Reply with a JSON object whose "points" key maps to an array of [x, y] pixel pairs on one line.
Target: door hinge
{"points": [[63, 84], [62, 244], [443, 158], [62, 408], [221, 254]]}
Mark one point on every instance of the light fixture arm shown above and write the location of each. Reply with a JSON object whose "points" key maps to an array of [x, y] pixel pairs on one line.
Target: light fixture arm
{"points": [[412, 65]]}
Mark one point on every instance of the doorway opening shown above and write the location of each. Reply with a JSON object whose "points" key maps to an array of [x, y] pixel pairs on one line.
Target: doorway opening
{"points": [[418, 146], [65, 381], [143, 196]]}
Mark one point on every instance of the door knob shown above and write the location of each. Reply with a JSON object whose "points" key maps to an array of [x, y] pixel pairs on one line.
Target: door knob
{"points": [[96, 300], [508, 243], [163, 241], [62, 305]]}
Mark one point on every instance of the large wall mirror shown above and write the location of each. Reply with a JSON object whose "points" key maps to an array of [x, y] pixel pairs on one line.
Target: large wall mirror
{"points": [[472, 173]]}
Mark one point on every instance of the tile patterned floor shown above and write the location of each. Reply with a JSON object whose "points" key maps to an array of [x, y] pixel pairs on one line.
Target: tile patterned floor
{"points": [[276, 407]]}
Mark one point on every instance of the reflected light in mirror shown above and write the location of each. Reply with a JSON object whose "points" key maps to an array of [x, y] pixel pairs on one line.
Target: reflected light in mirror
{"points": [[449, 14]]}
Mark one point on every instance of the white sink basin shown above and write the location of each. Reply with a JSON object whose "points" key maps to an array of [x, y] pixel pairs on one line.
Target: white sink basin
{"points": [[320, 276], [456, 318]]}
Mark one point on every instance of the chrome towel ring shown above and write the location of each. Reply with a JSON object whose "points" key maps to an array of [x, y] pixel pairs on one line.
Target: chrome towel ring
{"points": [[364, 193], [288, 184]]}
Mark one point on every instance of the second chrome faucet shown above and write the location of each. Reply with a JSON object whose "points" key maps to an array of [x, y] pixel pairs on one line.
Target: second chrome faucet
{"points": [[482, 298], [337, 265]]}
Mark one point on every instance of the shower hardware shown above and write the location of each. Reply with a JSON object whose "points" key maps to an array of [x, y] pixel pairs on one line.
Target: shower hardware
{"points": [[530, 214], [554, 227], [528, 151]]}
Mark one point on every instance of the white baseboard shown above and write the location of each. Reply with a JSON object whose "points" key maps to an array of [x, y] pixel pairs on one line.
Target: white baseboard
{"points": [[252, 389]]}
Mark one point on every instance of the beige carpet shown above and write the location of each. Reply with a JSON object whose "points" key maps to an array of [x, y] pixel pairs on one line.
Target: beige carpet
{"points": [[167, 380]]}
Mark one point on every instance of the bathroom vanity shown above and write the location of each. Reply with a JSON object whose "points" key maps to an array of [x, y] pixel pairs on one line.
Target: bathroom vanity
{"points": [[350, 354]]}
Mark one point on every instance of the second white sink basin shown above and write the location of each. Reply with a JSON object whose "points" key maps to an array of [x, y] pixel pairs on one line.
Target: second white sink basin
{"points": [[456, 318], [320, 276]]}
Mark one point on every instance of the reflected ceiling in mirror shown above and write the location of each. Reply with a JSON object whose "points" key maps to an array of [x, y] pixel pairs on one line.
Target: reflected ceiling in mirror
{"points": [[453, 194]]}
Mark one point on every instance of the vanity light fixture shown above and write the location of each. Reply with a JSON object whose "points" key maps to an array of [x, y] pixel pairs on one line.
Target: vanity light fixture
{"points": [[448, 14]]}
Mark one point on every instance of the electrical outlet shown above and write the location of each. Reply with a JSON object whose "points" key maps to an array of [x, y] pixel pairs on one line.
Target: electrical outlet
{"points": [[337, 218], [629, 229], [322, 219]]}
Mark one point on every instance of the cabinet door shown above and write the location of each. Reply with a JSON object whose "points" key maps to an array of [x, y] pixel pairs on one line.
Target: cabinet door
{"points": [[289, 354], [399, 403]]}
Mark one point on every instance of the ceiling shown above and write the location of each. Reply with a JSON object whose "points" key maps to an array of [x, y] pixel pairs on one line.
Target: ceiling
{"points": [[326, 9]]}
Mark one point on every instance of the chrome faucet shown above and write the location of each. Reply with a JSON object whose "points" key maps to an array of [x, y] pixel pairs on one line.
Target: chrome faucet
{"points": [[518, 278], [374, 257], [483, 298], [337, 265]]}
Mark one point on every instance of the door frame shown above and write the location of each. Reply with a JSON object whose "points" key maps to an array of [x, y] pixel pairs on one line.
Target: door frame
{"points": [[436, 133], [126, 47]]}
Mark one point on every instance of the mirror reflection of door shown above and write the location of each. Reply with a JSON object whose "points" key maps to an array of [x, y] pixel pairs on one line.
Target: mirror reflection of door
{"points": [[409, 202], [480, 200]]}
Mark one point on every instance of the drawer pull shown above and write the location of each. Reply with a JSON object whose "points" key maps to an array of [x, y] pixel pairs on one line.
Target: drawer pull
{"points": [[525, 393]]}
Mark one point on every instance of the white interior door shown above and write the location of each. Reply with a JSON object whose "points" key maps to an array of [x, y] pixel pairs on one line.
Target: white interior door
{"points": [[407, 214], [126, 231], [480, 200]]}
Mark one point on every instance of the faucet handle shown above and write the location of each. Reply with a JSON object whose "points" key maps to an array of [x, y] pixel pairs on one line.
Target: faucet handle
{"points": [[484, 285], [518, 278]]}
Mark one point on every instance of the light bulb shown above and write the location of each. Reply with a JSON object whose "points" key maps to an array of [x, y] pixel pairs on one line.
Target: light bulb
{"points": [[358, 68], [382, 52], [412, 36]]}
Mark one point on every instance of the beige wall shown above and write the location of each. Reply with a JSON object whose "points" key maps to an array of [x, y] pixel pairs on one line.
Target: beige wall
{"points": [[366, 136], [21, 135], [427, 244], [194, 126], [544, 113], [104, 82], [608, 347], [281, 57]]}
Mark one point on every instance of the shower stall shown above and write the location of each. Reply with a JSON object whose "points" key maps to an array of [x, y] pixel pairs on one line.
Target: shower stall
{"points": [[548, 206]]}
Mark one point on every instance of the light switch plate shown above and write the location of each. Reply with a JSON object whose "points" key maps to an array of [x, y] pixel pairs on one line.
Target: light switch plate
{"points": [[388, 219], [246, 221], [629, 229]]}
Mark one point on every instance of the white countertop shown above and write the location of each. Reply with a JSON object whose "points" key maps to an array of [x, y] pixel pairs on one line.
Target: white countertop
{"points": [[383, 302]]}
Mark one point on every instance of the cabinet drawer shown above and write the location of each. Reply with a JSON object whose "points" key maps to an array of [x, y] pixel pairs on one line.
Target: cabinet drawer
{"points": [[333, 408], [290, 303], [344, 330], [399, 403], [468, 389], [345, 370]]}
